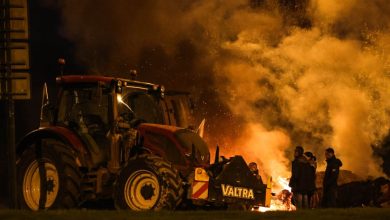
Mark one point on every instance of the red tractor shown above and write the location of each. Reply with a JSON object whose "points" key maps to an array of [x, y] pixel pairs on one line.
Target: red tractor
{"points": [[111, 138]]}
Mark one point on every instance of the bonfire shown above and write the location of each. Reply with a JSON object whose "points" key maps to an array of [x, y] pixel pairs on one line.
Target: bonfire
{"points": [[280, 201]]}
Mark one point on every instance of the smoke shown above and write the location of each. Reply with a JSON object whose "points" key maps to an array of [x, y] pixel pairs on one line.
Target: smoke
{"points": [[321, 90], [325, 85], [266, 74]]}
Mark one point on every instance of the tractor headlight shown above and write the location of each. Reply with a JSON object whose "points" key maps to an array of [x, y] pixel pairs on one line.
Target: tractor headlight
{"points": [[118, 88], [162, 90]]}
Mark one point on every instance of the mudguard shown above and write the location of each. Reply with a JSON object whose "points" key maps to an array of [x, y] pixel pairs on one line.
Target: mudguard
{"points": [[61, 134]]}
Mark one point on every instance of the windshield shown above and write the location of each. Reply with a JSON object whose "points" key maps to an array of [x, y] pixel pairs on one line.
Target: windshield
{"points": [[140, 105]]}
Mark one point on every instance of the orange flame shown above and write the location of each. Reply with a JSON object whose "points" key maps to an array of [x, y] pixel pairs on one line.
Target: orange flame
{"points": [[281, 201]]}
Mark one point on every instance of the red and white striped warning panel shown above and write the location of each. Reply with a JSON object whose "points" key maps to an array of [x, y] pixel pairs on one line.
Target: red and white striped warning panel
{"points": [[200, 190]]}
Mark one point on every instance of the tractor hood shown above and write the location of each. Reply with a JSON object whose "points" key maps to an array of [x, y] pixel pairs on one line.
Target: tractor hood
{"points": [[180, 146]]}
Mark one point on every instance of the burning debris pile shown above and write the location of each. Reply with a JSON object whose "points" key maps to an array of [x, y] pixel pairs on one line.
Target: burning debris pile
{"points": [[280, 202], [283, 201], [278, 73]]}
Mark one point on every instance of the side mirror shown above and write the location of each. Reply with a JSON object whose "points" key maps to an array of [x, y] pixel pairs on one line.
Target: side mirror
{"points": [[47, 115], [47, 109]]}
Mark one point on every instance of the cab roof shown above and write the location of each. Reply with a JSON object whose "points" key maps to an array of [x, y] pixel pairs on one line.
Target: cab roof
{"points": [[76, 79], [70, 79]]}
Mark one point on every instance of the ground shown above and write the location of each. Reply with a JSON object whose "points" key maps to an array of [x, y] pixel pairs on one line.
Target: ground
{"points": [[319, 214]]}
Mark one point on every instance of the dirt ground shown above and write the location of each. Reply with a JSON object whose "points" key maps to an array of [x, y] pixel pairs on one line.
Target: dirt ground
{"points": [[319, 214]]}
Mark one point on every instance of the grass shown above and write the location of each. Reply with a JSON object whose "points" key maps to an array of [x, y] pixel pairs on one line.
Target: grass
{"points": [[319, 214]]}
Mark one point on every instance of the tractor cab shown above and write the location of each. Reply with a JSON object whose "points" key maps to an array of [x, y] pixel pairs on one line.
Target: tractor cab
{"points": [[95, 106], [86, 109], [132, 99]]}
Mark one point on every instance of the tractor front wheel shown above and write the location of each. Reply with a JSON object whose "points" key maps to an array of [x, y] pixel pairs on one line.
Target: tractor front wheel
{"points": [[148, 183]]}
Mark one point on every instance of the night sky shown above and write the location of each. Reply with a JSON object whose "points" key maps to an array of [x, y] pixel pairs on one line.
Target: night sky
{"points": [[46, 46], [49, 40], [50, 32]]}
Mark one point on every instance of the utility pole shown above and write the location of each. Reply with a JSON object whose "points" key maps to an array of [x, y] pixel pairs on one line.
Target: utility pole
{"points": [[14, 77]]}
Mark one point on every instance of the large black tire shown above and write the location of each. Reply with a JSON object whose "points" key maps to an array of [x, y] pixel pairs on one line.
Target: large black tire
{"points": [[148, 183], [63, 177]]}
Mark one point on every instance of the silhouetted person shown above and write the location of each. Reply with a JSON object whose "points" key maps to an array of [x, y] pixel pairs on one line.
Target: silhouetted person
{"points": [[329, 196], [298, 180], [311, 180], [253, 168], [255, 171]]}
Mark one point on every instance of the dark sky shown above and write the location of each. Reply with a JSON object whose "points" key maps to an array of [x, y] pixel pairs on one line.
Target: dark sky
{"points": [[49, 40], [46, 46]]}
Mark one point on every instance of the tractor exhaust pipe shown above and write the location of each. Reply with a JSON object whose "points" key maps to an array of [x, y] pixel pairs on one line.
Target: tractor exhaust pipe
{"points": [[61, 63]]}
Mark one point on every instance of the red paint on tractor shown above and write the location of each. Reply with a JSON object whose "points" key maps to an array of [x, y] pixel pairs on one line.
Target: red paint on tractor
{"points": [[83, 79], [70, 136]]}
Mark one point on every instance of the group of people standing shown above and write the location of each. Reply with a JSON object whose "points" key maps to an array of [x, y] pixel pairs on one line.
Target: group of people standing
{"points": [[303, 179]]}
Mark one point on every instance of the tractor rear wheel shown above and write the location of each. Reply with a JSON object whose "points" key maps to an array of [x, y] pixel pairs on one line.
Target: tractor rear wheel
{"points": [[148, 183], [62, 178]]}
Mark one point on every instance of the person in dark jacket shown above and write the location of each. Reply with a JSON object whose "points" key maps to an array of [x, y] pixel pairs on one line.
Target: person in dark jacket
{"points": [[299, 178], [253, 168], [311, 180], [329, 196]]}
